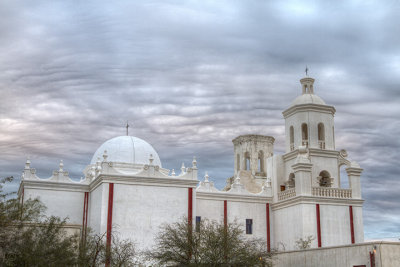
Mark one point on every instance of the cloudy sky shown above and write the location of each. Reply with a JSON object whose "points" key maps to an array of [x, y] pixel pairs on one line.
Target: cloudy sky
{"points": [[192, 75]]}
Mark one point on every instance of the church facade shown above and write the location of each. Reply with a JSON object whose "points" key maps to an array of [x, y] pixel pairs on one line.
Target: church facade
{"points": [[279, 198]]}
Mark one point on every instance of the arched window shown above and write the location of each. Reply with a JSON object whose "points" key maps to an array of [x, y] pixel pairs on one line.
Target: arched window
{"points": [[246, 161], [321, 135], [291, 138], [261, 161], [325, 179], [238, 162], [304, 134]]}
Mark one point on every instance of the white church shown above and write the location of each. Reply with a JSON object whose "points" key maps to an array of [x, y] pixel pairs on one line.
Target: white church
{"points": [[279, 198]]}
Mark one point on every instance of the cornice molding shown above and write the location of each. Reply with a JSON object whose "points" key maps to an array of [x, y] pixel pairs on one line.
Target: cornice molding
{"points": [[146, 181], [309, 107], [314, 152], [52, 185], [316, 200], [221, 196]]}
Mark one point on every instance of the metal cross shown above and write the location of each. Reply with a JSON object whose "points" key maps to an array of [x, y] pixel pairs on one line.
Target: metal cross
{"points": [[306, 71]]}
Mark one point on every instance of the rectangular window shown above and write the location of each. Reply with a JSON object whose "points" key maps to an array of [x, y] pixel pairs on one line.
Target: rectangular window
{"points": [[198, 220], [249, 226]]}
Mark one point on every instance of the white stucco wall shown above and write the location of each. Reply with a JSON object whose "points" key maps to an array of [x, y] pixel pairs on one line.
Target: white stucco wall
{"points": [[358, 224], [276, 166], [139, 210], [292, 223], [386, 255], [210, 209], [311, 119], [240, 211], [98, 205], [335, 225], [59, 203]]}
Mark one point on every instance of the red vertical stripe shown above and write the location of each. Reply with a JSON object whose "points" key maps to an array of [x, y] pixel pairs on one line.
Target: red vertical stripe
{"points": [[109, 219], [372, 259], [268, 229], [351, 224], [84, 215], [225, 213], [318, 226], [190, 205], [87, 208]]}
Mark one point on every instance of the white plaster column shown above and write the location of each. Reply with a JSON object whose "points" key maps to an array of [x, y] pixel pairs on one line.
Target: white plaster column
{"points": [[302, 171], [354, 174]]}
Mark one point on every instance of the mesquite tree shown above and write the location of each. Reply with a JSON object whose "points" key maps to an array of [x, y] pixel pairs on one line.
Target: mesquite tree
{"points": [[209, 244]]}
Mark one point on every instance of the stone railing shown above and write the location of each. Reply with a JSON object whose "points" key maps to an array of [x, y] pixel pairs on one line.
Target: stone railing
{"points": [[321, 144], [288, 193], [331, 192]]}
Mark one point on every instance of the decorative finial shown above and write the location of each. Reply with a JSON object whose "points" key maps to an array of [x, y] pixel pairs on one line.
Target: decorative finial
{"points": [[98, 165], [127, 128], [105, 156], [28, 164], [151, 159], [194, 162], [183, 168], [61, 166], [173, 172], [306, 70], [237, 180], [206, 177]]}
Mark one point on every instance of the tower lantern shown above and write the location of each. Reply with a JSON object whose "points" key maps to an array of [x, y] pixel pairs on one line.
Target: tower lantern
{"points": [[307, 84]]}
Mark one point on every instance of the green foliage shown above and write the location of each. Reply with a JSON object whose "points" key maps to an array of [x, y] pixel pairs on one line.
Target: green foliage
{"points": [[93, 252], [44, 244], [215, 244], [28, 238]]}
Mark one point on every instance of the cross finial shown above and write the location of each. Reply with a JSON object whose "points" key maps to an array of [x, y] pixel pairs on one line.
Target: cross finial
{"points": [[306, 70], [127, 128]]}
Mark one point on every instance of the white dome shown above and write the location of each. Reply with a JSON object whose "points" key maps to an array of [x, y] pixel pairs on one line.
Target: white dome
{"points": [[127, 149], [308, 99]]}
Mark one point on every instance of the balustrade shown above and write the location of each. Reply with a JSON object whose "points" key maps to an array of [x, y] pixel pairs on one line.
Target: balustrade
{"points": [[288, 193], [331, 192], [321, 144]]}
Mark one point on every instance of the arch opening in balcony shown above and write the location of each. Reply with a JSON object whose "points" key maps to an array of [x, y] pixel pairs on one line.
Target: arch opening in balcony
{"points": [[325, 179]]}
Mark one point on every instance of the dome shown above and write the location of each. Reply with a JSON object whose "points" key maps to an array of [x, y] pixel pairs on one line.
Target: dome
{"points": [[127, 149], [308, 99]]}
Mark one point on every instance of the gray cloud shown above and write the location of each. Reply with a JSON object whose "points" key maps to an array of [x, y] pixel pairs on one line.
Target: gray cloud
{"points": [[192, 76]]}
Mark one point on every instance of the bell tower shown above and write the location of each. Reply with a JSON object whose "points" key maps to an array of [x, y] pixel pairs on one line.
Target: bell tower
{"points": [[309, 121]]}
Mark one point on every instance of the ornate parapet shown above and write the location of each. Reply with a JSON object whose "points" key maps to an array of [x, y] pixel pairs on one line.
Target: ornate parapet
{"points": [[288, 193], [331, 192]]}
